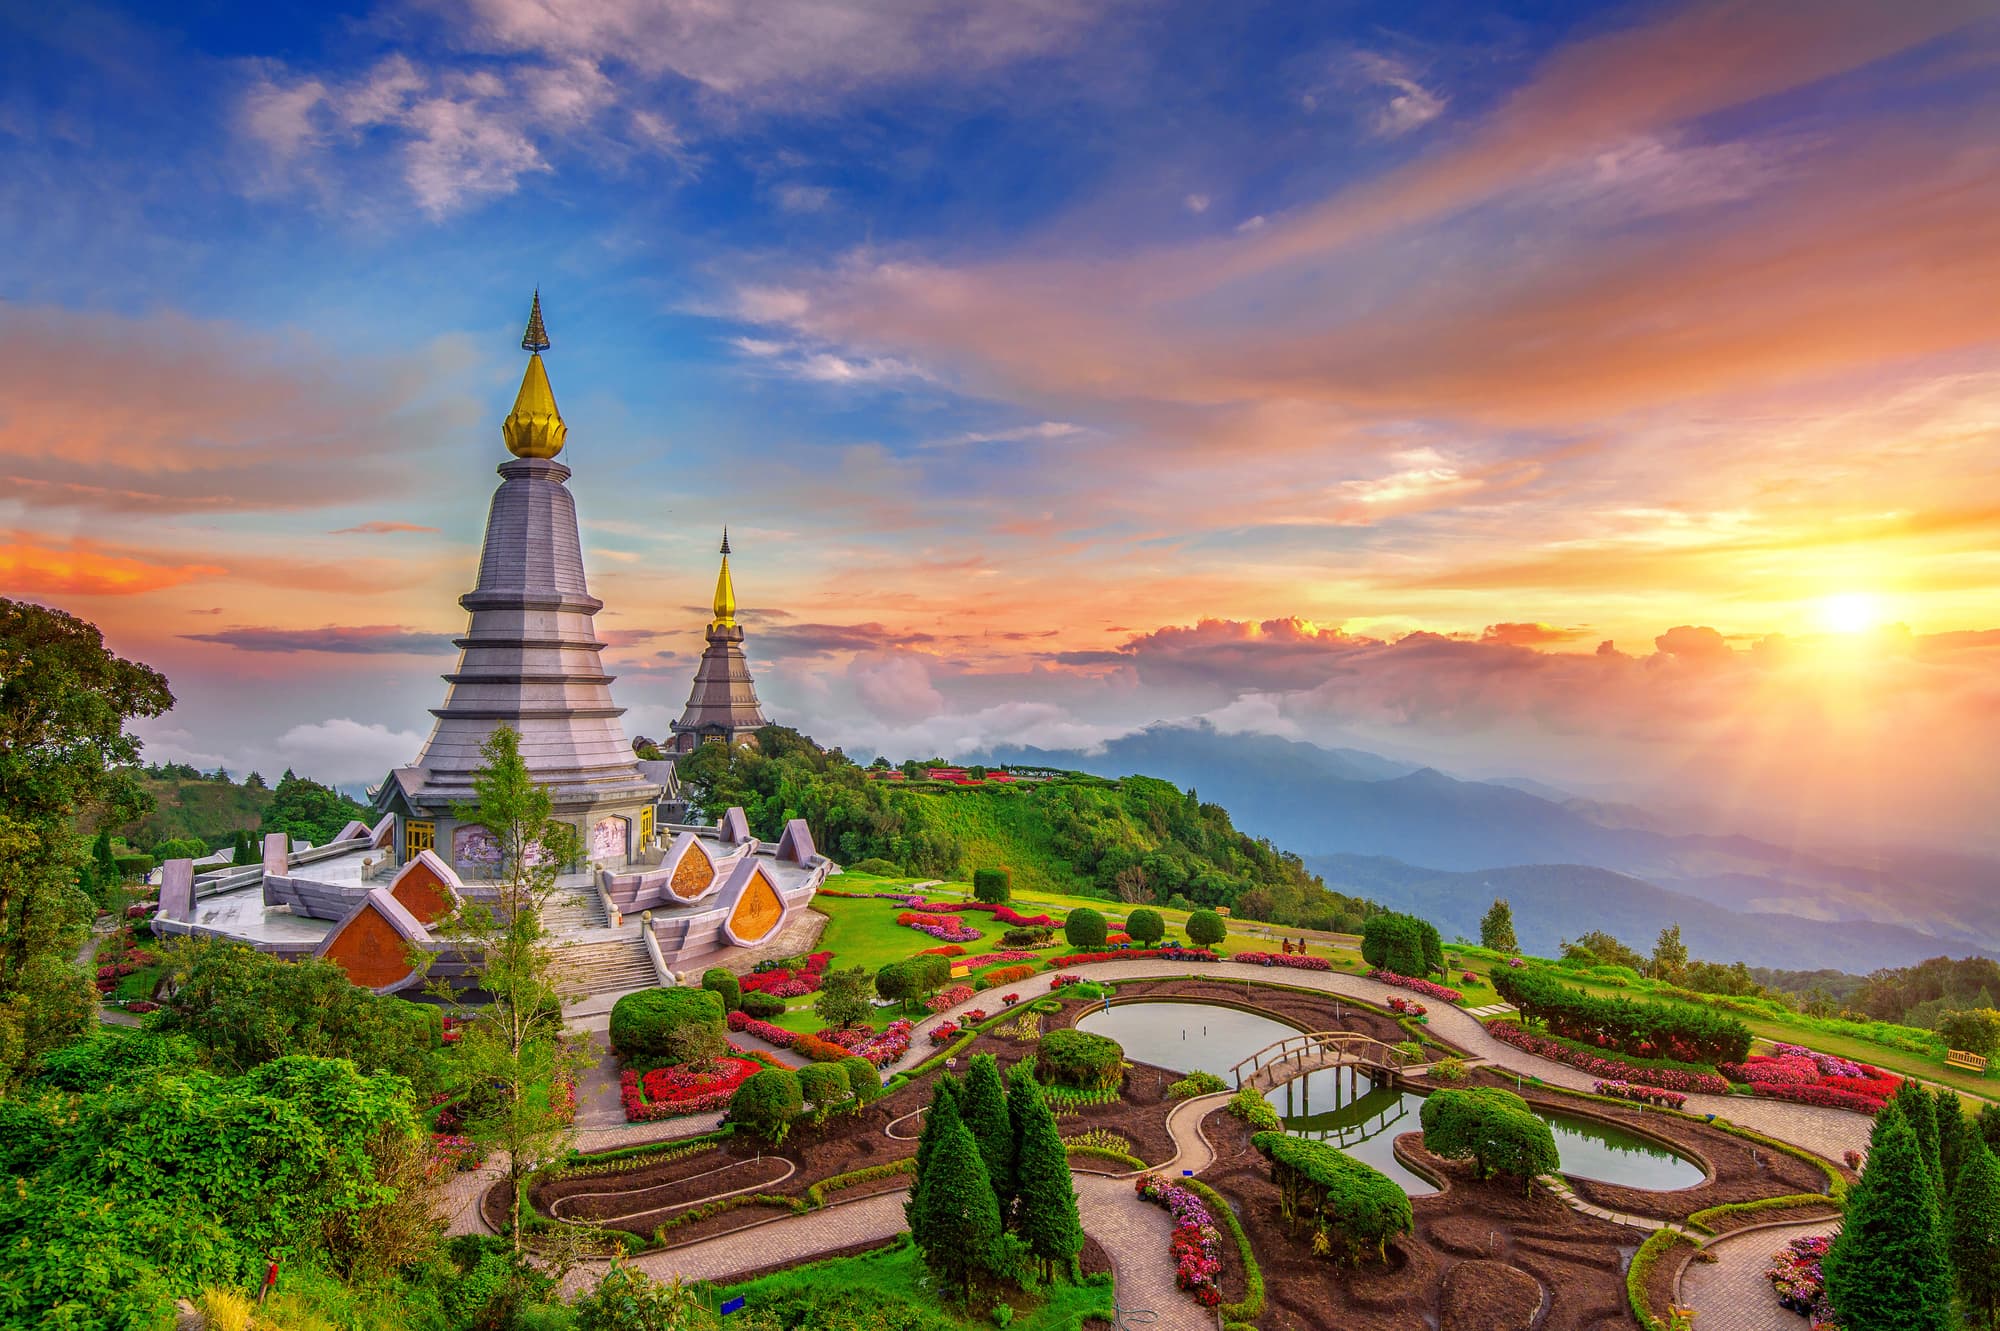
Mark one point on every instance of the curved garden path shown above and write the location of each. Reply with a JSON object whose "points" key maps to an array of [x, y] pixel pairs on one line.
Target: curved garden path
{"points": [[1731, 1293], [1828, 1132]]}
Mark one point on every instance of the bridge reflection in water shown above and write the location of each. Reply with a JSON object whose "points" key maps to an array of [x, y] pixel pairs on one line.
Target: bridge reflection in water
{"points": [[1344, 1107]]}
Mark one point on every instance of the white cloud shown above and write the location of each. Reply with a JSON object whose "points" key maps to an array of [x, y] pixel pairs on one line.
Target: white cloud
{"points": [[1410, 104], [1196, 203], [795, 198], [342, 752], [895, 686], [1255, 713]]}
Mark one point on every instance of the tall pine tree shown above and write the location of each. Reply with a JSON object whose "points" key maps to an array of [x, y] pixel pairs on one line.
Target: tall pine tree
{"points": [[944, 1105], [1046, 1217], [983, 1106], [1975, 1235], [1496, 927], [1954, 1132], [1885, 1270], [954, 1216], [1915, 1103]]}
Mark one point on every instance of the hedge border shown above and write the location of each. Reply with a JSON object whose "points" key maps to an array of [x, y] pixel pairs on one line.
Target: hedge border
{"points": [[1796, 1201], [1649, 1255], [1252, 1303]]}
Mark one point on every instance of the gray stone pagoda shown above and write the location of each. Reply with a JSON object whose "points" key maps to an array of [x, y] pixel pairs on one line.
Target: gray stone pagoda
{"points": [[722, 707], [530, 660]]}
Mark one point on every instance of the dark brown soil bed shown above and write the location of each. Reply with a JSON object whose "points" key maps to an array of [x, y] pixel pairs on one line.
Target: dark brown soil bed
{"points": [[615, 1203], [1482, 1295], [1579, 1261]]}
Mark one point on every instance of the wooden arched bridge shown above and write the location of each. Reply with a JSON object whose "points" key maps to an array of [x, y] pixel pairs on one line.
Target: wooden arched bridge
{"points": [[1296, 1055]]}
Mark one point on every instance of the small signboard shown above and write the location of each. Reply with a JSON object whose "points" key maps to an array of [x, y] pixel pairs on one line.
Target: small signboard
{"points": [[734, 1305]]}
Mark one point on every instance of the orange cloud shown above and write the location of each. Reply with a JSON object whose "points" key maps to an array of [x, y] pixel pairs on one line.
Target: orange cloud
{"points": [[83, 568], [381, 529], [1529, 635]]}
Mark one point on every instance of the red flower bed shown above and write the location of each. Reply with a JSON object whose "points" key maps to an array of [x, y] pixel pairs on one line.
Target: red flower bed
{"points": [[944, 1034], [782, 983], [746, 1024], [1412, 983], [1283, 959], [887, 1045], [667, 1092], [1135, 954], [1830, 1095], [1115, 939], [1611, 1069], [1762, 1071], [1802, 1076], [993, 979], [1059, 981], [948, 950], [949, 999]]}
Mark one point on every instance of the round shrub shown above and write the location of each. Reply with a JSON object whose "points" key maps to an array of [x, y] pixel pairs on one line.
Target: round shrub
{"points": [[1205, 928], [1080, 1059], [992, 886], [1402, 943], [1145, 926], [823, 1085], [767, 1103], [862, 1078], [1085, 928], [1493, 1128], [646, 1023], [878, 867], [762, 1006], [719, 981]]}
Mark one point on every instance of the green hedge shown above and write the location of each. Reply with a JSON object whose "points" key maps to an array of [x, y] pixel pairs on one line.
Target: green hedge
{"points": [[1650, 1254], [1705, 1219], [816, 1195], [1402, 943], [1354, 1204], [1493, 1128], [644, 1023], [1645, 1030]]}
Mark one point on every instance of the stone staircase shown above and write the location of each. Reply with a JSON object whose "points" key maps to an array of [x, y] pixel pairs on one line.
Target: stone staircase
{"points": [[614, 966], [574, 913]]}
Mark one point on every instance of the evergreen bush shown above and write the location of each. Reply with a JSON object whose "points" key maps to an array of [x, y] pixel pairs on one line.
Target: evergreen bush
{"points": [[863, 1079], [1145, 926], [1046, 1218], [1975, 1234], [645, 1024], [1081, 1059], [718, 980], [983, 1106], [1084, 928], [762, 1006], [1886, 1268], [1493, 1128], [1205, 928], [1402, 943], [1357, 1207], [992, 886], [767, 1102], [823, 1085], [1677, 1031]]}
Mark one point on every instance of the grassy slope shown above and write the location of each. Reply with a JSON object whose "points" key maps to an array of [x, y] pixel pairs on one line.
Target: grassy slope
{"points": [[211, 810], [999, 827], [899, 1272]]}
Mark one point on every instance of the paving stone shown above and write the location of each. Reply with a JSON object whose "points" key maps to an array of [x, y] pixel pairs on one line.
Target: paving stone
{"points": [[1731, 1293]]}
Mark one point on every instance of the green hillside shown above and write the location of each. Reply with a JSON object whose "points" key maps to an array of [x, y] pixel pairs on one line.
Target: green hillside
{"points": [[1134, 840], [196, 807]]}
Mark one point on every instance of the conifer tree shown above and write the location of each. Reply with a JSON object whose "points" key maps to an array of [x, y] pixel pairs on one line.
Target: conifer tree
{"points": [[104, 858], [1496, 928], [1046, 1218], [1954, 1132], [944, 1105], [1915, 1103], [1975, 1235], [1885, 1270], [983, 1106], [954, 1216]]}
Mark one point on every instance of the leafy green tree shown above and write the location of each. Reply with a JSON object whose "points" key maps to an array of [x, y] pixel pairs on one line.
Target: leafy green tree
{"points": [[1205, 928], [656, 1022], [953, 1214], [721, 980], [896, 982], [1046, 1217], [863, 1079], [1493, 1128], [983, 1106], [823, 1086], [992, 886], [1886, 1268], [103, 857], [843, 997], [1670, 955], [1402, 943], [1975, 1030], [928, 974], [627, 1299], [767, 1102], [1975, 1235], [1918, 1110], [516, 1048], [1145, 926], [308, 811], [64, 756], [1496, 927], [1084, 928]]}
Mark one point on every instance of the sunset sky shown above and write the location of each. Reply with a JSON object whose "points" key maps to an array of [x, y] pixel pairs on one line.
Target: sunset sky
{"points": [[1608, 394]]}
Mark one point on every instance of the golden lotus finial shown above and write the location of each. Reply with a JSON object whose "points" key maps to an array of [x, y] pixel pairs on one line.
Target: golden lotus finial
{"points": [[535, 429]]}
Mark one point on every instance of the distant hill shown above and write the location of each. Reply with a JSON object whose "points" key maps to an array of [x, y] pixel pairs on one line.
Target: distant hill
{"points": [[212, 810], [1342, 802], [1555, 902]]}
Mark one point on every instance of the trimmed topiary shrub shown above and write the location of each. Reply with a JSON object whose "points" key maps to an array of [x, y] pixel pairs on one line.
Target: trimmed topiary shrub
{"points": [[762, 1006], [824, 1085], [1084, 928], [645, 1024], [1402, 943], [863, 1079], [1205, 928], [1356, 1207], [719, 981], [878, 867], [992, 886], [767, 1102], [1027, 936], [1080, 1059], [1145, 926], [1493, 1128], [1678, 1031]]}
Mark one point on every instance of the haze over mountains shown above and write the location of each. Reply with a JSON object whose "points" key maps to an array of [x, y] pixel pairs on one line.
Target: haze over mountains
{"points": [[1417, 838]]}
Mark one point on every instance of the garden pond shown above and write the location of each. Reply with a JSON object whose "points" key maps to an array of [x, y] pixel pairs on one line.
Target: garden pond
{"points": [[1346, 1108]]}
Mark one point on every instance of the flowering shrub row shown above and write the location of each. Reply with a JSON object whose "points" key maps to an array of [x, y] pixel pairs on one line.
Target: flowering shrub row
{"points": [[745, 1024], [1196, 1244], [1837, 1093], [1410, 982], [1063, 981], [995, 958], [667, 1092], [1798, 1281], [887, 1045], [781, 982], [1136, 954], [993, 979], [949, 999], [1828, 1065], [1283, 959], [950, 928], [1645, 1095], [1798, 1074], [1673, 1079], [946, 950], [1760, 1071], [1675, 1031]]}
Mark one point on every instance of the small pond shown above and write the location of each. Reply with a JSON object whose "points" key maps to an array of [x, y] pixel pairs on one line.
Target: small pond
{"points": [[1345, 1108]]}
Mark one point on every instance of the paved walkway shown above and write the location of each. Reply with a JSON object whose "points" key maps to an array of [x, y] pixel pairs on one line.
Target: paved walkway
{"points": [[1829, 1132], [1731, 1293]]}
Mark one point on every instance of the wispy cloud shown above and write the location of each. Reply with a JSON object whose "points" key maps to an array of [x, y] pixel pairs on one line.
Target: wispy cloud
{"points": [[33, 565], [381, 529], [1410, 104], [367, 640]]}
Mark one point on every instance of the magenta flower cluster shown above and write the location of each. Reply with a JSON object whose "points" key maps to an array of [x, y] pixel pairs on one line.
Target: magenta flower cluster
{"points": [[1412, 983], [1645, 1095], [1286, 959], [1196, 1244], [1673, 1079]]}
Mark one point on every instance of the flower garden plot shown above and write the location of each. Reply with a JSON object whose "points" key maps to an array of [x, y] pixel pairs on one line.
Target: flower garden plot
{"points": [[1793, 1072], [949, 928], [667, 1092], [1795, 1276], [1608, 1065], [1196, 1245], [783, 982], [1415, 985]]}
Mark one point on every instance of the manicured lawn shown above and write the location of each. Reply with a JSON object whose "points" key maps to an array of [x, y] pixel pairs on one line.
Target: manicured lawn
{"points": [[898, 1271]]}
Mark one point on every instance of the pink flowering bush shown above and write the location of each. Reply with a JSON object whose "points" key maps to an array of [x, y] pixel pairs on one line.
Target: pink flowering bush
{"points": [[781, 982], [1408, 1007], [887, 1045], [1412, 983], [948, 928], [1061, 981], [1673, 1079], [949, 999], [1798, 1281], [1197, 1242], [1645, 1095], [1285, 959], [1010, 999]]}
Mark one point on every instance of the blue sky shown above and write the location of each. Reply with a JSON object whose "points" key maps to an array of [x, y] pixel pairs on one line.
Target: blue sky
{"points": [[1060, 367]]}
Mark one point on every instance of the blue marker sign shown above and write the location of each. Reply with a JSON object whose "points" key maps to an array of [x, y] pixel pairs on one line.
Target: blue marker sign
{"points": [[1187, 1173], [734, 1305]]}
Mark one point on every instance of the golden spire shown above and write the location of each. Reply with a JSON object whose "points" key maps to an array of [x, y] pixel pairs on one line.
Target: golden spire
{"points": [[725, 591], [534, 429]]}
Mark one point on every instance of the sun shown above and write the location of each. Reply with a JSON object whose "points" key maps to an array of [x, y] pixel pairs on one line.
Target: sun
{"points": [[1850, 612]]}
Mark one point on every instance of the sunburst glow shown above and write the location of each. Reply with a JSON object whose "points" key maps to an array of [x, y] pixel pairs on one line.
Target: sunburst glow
{"points": [[1850, 612]]}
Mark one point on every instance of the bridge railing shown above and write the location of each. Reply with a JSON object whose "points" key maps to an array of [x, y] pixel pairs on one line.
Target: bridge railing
{"points": [[1344, 1046]]}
